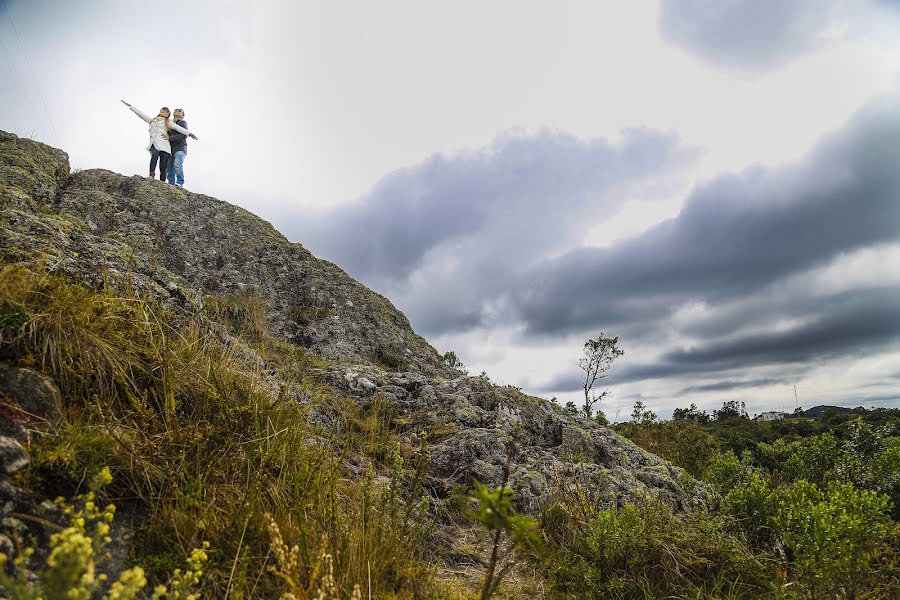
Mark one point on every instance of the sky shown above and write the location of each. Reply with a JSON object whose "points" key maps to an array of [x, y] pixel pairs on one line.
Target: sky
{"points": [[715, 182]]}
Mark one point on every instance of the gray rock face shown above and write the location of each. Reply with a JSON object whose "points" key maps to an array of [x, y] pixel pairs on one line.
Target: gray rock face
{"points": [[31, 392], [12, 456], [30, 171], [184, 247], [475, 427]]}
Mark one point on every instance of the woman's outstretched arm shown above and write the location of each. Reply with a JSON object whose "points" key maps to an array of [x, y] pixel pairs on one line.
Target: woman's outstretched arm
{"points": [[137, 112]]}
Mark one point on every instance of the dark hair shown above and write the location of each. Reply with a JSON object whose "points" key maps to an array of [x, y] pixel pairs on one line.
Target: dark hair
{"points": [[165, 108], [181, 110]]}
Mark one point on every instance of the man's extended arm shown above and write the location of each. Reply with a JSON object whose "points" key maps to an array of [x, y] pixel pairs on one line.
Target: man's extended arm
{"points": [[179, 129]]}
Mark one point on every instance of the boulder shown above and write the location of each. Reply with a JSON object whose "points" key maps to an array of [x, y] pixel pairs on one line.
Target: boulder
{"points": [[12, 456]]}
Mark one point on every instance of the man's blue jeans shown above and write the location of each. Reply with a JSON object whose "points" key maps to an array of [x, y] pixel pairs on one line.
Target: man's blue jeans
{"points": [[176, 167]]}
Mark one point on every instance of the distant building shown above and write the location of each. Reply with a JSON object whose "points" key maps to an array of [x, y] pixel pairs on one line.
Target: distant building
{"points": [[771, 415]]}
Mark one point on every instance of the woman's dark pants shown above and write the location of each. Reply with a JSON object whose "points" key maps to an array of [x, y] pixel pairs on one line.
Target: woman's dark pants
{"points": [[163, 158]]}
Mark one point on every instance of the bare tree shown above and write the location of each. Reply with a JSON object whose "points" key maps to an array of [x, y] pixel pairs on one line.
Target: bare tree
{"points": [[599, 355]]}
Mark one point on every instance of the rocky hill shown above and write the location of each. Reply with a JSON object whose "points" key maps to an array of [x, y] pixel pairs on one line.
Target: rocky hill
{"points": [[192, 253]]}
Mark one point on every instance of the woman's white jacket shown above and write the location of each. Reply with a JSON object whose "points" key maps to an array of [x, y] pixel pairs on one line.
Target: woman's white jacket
{"points": [[157, 128]]}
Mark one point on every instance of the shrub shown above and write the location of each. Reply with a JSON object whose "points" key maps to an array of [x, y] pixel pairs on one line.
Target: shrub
{"points": [[644, 550], [833, 541], [78, 549], [727, 471], [453, 361], [496, 513], [813, 459], [832, 535], [753, 505], [884, 471], [682, 442]]}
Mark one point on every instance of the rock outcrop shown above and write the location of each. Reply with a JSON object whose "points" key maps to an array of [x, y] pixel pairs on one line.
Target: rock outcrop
{"points": [[185, 247]]}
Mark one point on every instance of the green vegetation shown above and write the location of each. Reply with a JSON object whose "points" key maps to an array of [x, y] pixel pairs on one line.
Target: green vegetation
{"points": [[266, 487], [78, 549], [454, 362], [645, 551], [814, 502], [202, 450]]}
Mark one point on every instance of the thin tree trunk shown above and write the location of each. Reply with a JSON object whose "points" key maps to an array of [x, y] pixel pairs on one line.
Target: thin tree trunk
{"points": [[486, 588]]}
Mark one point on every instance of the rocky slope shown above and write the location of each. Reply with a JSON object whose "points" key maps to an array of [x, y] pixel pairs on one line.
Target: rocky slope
{"points": [[186, 248]]}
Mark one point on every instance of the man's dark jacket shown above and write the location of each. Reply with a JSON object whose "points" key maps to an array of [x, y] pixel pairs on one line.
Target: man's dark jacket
{"points": [[178, 140]]}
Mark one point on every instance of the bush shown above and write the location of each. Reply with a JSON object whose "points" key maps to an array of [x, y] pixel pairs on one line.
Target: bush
{"points": [[813, 459], [727, 471], [644, 550], [753, 505], [70, 569], [683, 442], [496, 513], [832, 536], [833, 541]]}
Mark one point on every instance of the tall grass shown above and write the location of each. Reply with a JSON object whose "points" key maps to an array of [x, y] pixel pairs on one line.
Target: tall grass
{"points": [[202, 447]]}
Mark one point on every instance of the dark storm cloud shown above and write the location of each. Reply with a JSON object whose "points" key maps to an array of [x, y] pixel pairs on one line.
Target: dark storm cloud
{"points": [[447, 238], [531, 190], [858, 321], [726, 385], [569, 381], [463, 242], [733, 237], [868, 401], [755, 35]]}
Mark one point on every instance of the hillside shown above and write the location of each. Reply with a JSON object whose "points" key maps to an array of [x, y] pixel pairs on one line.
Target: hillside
{"points": [[224, 373], [817, 411]]}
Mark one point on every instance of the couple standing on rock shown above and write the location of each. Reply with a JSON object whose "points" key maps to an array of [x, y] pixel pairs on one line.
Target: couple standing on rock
{"points": [[167, 148]]}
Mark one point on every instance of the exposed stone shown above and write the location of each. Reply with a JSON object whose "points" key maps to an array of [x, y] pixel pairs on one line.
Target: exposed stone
{"points": [[30, 391], [365, 383], [475, 428], [13, 457], [30, 170], [395, 390]]}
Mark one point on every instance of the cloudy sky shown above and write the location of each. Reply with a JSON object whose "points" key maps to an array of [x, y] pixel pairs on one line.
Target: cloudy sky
{"points": [[716, 182]]}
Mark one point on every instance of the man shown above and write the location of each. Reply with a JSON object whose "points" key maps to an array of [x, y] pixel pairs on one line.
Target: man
{"points": [[178, 142]]}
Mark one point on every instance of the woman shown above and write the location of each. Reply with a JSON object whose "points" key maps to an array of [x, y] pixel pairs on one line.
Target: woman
{"points": [[159, 139]]}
